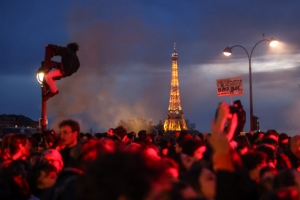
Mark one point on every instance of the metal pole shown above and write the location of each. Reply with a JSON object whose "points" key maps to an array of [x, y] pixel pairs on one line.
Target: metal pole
{"points": [[250, 81], [44, 109], [47, 60], [251, 100]]}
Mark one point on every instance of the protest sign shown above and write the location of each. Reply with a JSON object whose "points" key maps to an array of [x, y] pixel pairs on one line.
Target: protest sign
{"points": [[230, 86]]}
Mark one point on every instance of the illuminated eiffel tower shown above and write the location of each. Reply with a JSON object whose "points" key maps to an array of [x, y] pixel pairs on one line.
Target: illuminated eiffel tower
{"points": [[175, 117]]}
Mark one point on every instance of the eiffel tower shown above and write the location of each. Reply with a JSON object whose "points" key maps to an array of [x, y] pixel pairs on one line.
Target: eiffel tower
{"points": [[175, 117]]}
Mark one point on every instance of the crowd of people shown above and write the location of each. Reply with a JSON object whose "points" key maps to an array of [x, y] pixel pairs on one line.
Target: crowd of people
{"points": [[118, 165]]}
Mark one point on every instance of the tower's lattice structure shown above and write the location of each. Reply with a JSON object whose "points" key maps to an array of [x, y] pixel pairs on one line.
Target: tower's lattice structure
{"points": [[175, 117]]}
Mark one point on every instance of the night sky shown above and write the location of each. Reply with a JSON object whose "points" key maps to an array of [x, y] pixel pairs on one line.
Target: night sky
{"points": [[125, 54]]}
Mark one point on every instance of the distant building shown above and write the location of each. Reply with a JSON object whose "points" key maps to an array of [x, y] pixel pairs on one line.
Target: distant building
{"points": [[17, 121]]}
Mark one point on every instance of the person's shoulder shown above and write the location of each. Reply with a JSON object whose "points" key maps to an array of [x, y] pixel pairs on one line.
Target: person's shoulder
{"points": [[65, 150], [5, 164]]}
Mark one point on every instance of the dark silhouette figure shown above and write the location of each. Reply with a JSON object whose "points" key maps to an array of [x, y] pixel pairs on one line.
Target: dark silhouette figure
{"points": [[241, 114], [54, 70]]}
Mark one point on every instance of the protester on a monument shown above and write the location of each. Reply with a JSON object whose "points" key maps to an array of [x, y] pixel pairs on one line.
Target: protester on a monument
{"points": [[69, 64]]}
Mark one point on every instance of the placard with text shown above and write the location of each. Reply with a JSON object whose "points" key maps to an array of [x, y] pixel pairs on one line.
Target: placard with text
{"points": [[230, 86]]}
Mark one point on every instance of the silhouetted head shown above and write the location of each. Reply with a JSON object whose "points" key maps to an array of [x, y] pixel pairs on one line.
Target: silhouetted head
{"points": [[73, 46]]}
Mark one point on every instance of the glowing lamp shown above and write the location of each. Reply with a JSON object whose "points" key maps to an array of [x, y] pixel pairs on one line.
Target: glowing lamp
{"points": [[273, 42], [40, 77], [227, 51]]}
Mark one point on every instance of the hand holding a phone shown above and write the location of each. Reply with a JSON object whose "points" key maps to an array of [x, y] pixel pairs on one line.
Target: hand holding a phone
{"points": [[220, 138]]}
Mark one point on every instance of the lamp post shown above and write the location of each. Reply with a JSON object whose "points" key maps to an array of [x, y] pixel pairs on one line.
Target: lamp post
{"points": [[227, 52], [40, 79]]}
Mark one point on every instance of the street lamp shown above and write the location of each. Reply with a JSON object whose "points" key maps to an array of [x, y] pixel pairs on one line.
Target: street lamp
{"points": [[228, 51], [40, 79]]}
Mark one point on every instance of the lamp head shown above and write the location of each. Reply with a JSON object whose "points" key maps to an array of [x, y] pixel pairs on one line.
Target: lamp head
{"points": [[227, 51], [40, 75], [273, 42]]}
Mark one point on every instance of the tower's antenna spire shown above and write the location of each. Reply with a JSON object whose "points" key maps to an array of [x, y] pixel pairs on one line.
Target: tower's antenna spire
{"points": [[174, 46]]}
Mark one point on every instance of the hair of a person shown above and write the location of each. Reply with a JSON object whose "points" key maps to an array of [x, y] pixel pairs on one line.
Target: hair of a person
{"points": [[34, 143], [190, 146], [131, 136], [123, 174], [14, 177], [73, 46], [157, 139], [134, 147], [164, 143], [239, 103], [35, 157], [294, 140], [37, 136], [177, 188], [192, 176], [142, 133], [269, 141], [253, 158], [285, 193], [57, 143], [242, 141], [145, 140], [5, 140], [99, 135], [170, 163], [284, 178], [269, 150], [50, 139], [267, 169], [271, 132], [54, 153], [15, 141], [120, 131], [81, 135], [184, 132], [256, 135], [87, 151], [183, 138], [200, 135], [71, 123], [283, 136], [88, 135]]}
